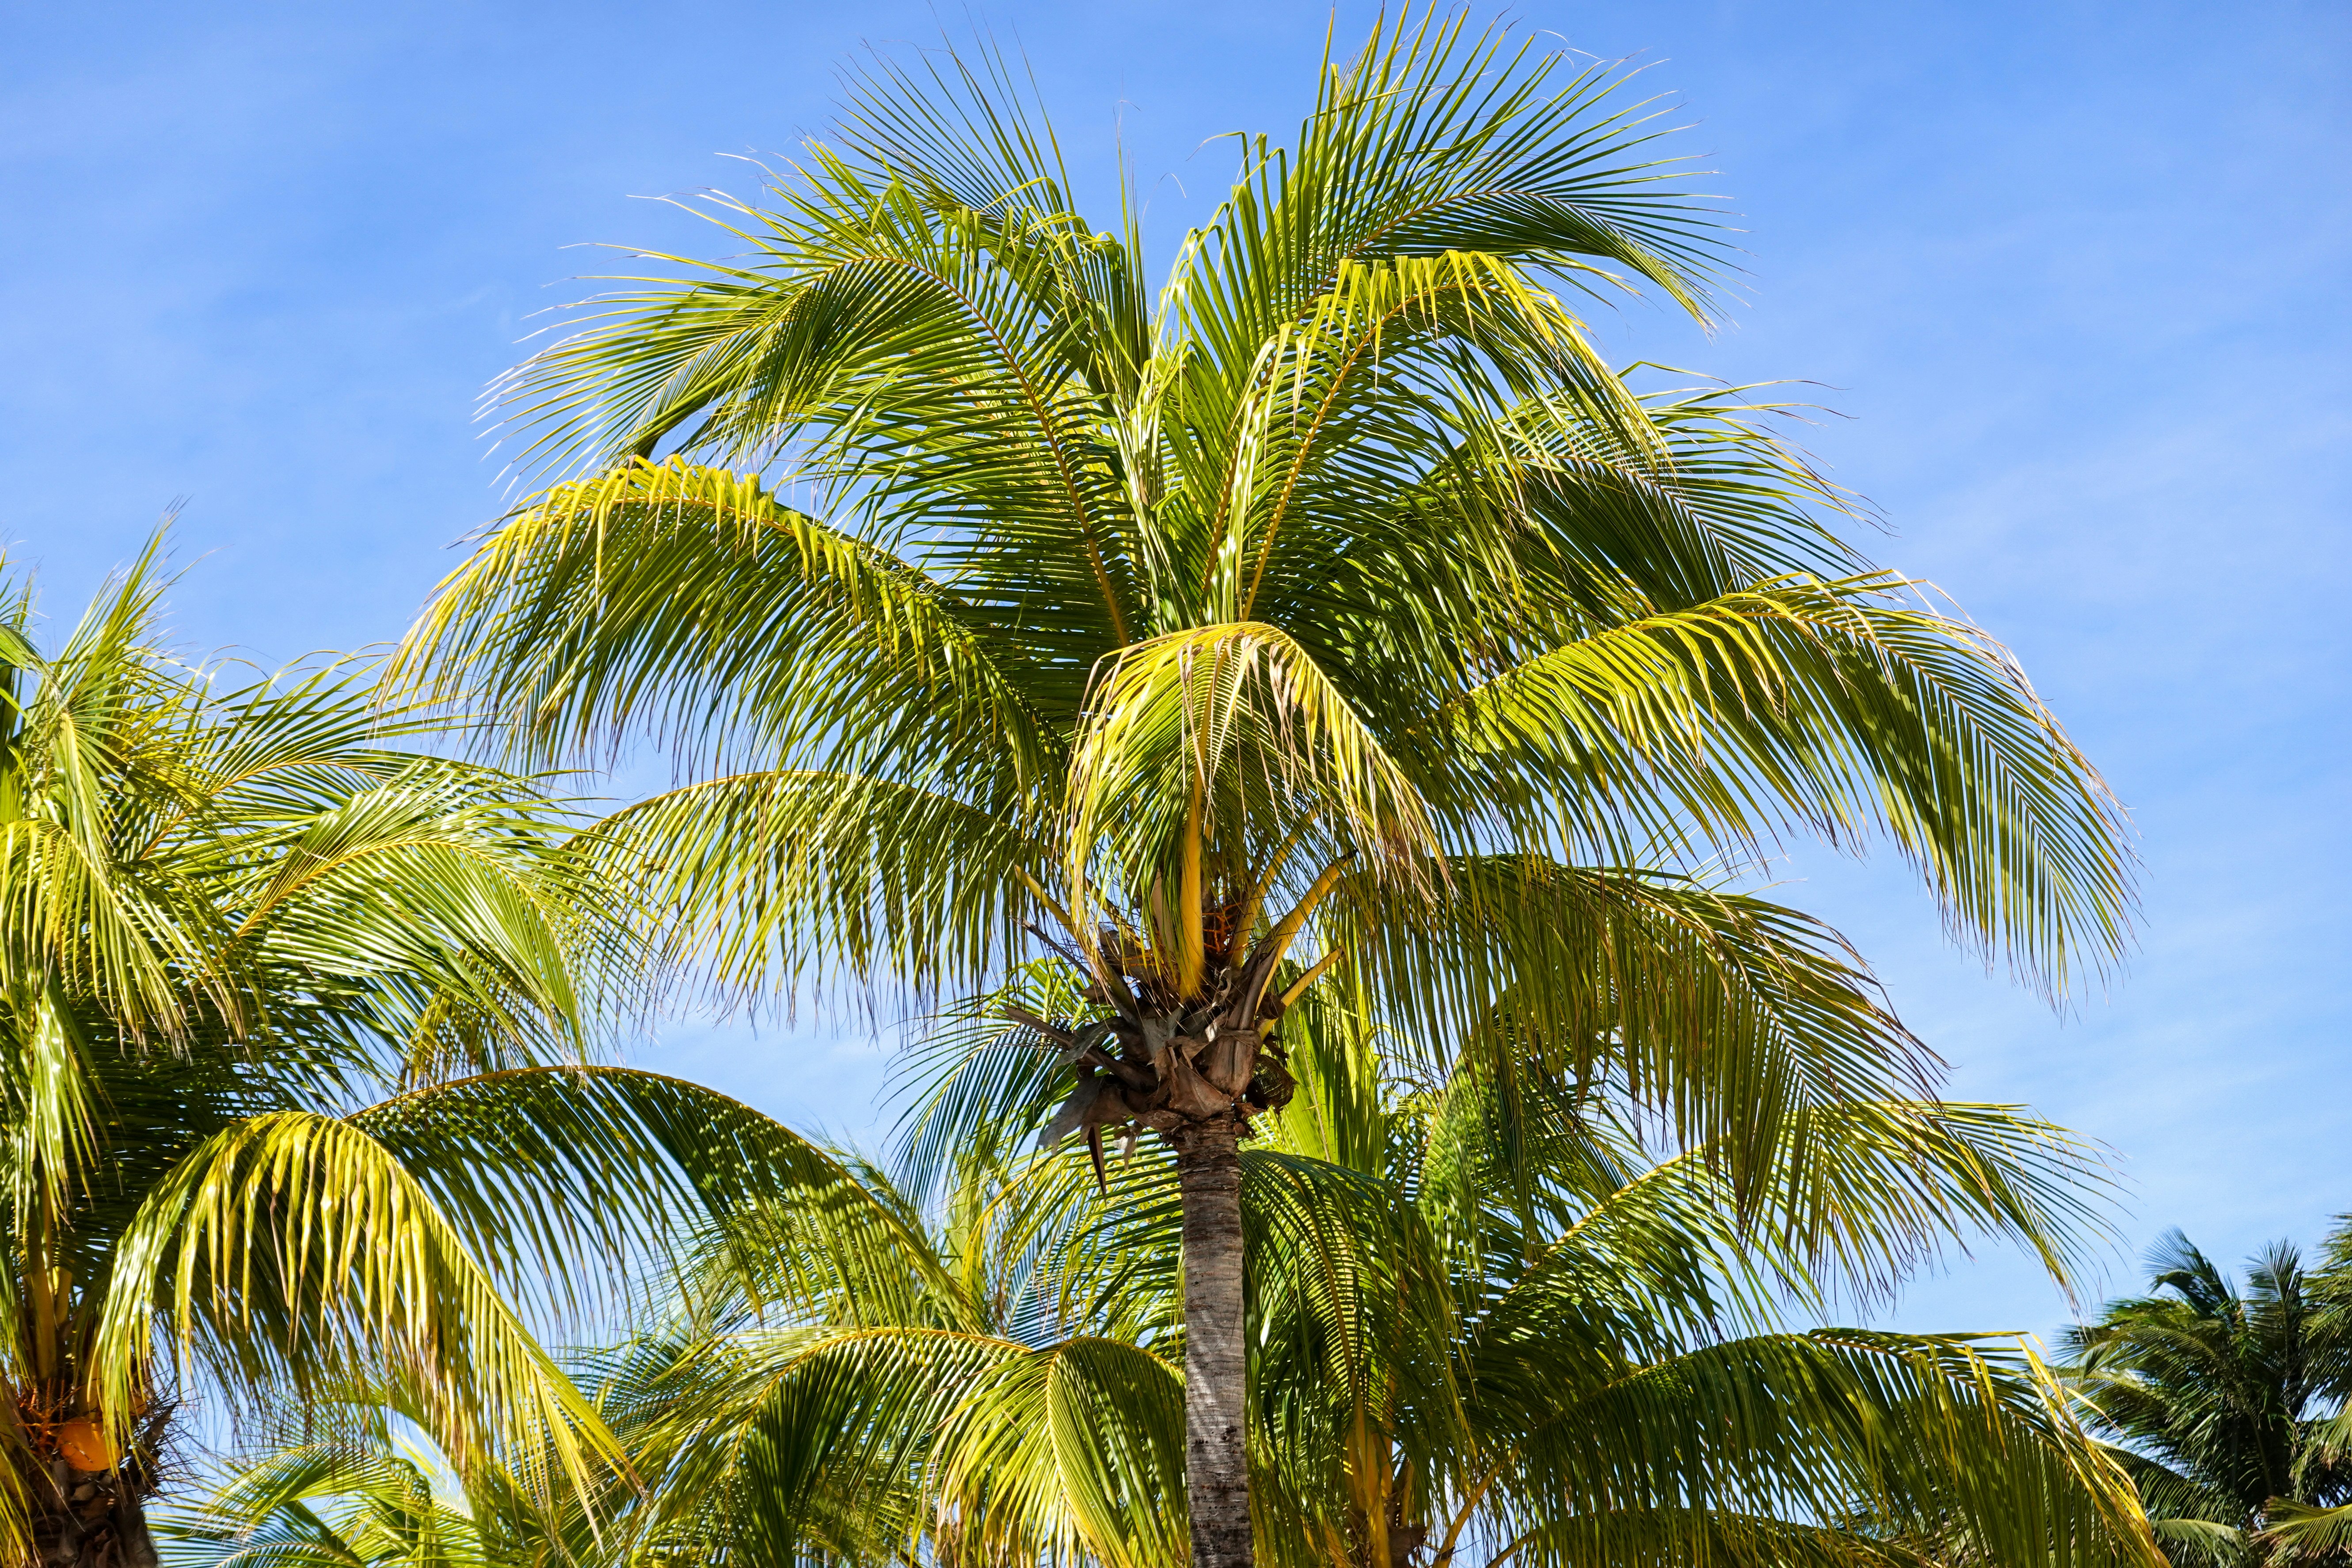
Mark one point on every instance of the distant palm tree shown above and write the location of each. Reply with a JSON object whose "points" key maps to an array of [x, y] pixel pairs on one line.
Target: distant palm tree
{"points": [[351, 1502], [2228, 1404], [286, 1007], [1345, 595], [1488, 1321]]}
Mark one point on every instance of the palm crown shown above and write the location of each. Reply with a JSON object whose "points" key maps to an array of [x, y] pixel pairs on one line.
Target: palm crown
{"points": [[1343, 587], [2229, 1401]]}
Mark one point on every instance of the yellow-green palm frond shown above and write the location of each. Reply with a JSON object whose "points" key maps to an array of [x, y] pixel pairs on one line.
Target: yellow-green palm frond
{"points": [[690, 603], [778, 1441], [1704, 1538], [1231, 730], [1839, 1424], [1438, 137], [830, 876], [1829, 701], [1719, 1013], [325, 1505], [1072, 1451], [296, 1252], [2297, 1532]]}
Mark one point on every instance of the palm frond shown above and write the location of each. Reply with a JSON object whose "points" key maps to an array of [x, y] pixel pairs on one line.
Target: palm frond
{"points": [[297, 1252]]}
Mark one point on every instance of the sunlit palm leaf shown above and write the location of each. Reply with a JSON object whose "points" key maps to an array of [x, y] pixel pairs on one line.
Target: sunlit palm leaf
{"points": [[296, 1251]]}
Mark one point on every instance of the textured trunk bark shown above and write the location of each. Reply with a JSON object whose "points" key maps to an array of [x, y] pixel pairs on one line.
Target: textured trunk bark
{"points": [[1216, 1358], [106, 1529], [135, 1546]]}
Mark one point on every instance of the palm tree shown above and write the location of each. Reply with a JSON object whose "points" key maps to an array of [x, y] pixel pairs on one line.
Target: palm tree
{"points": [[342, 1504], [294, 1104], [1345, 588], [1487, 1323], [2226, 1402]]}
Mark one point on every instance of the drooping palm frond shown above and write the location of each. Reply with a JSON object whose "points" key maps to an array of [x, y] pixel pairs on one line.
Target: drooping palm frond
{"points": [[324, 1505], [2299, 1532], [1840, 1422], [754, 872], [293, 1251]]}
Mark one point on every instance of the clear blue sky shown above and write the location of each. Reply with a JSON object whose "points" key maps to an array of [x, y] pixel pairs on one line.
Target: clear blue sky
{"points": [[2074, 276]]}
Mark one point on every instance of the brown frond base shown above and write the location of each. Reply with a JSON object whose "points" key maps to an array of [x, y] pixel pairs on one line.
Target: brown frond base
{"points": [[86, 1502]]}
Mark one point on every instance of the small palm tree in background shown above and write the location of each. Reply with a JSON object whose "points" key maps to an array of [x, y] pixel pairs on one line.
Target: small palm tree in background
{"points": [[357, 1502], [285, 1112], [2227, 1402], [1343, 595]]}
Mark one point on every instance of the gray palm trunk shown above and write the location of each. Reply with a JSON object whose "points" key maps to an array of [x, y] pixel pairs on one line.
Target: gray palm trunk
{"points": [[1216, 1449]]}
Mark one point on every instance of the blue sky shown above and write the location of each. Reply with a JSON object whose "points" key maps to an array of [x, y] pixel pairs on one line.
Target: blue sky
{"points": [[2073, 277]]}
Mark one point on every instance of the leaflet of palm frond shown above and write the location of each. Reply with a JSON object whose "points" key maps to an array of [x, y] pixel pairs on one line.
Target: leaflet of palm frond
{"points": [[981, 1074], [1354, 1327], [1840, 1422], [324, 1505], [1340, 1112], [293, 1250], [1721, 1014], [1074, 1450], [1624, 1538]]}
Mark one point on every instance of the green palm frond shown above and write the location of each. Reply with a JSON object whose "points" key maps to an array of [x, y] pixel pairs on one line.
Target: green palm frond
{"points": [[1074, 1450], [834, 876], [1722, 1014], [1239, 711], [324, 1505], [1649, 1536], [552, 1174], [295, 1251], [2299, 1532], [1435, 138], [1840, 1422], [709, 578], [1828, 703]]}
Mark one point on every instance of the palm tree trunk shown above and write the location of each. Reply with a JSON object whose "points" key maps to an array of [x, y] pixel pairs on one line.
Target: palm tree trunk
{"points": [[135, 1546], [106, 1530], [1216, 1365]]}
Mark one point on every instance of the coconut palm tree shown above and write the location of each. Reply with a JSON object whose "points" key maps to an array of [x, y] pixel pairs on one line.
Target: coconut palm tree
{"points": [[365, 1503], [1488, 1320], [2226, 1402], [294, 1104], [350, 1485], [1000, 609]]}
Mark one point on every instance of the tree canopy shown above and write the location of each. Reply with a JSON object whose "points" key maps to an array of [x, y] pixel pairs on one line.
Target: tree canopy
{"points": [[2227, 1402], [1336, 588]]}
